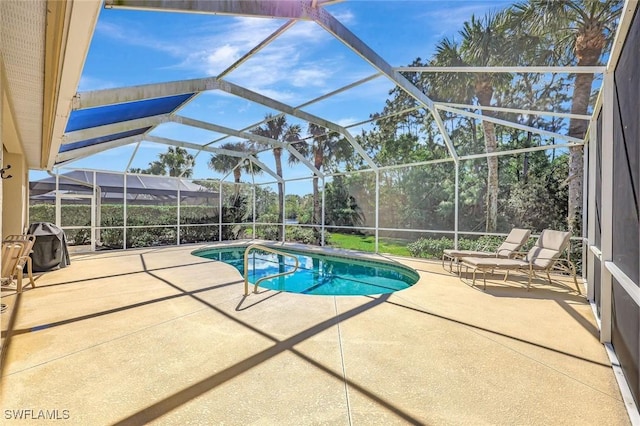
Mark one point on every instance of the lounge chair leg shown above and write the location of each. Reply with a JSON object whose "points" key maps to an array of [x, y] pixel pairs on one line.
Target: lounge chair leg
{"points": [[549, 278], [573, 272], [506, 275], [19, 284], [484, 279], [30, 272], [530, 274], [473, 283]]}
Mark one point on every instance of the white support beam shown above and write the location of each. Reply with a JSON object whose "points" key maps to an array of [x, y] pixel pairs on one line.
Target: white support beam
{"points": [[313, 101], [606, 216], [532, 70], [114, 128], [261, 9], [517, 111], [591, 152], [264, 43], [344, 35], [340, 90], [509, 124], [230, 153], [279, 106], [626, 18], [121, 95], [245, 135], [518, 151], [195, 146], [445, 134]]}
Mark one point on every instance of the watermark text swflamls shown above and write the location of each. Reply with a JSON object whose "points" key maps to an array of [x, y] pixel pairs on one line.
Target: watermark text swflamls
{"points": [[34, 414]]}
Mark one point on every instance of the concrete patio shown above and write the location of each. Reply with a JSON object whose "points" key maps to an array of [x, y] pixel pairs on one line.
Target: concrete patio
{"points": [[161, 336]]}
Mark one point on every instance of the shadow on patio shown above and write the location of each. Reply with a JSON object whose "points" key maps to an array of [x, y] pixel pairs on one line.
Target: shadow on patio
{"points": [[159, 335]]}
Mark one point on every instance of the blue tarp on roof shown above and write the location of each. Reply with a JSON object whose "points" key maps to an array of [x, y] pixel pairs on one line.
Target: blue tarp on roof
{"points": [[102, 139], [109, 114]]}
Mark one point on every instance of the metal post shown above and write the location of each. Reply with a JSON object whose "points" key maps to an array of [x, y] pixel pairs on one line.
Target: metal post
{"points": [[377, 209], [92, 222], [124, 212], [591, 208], [58, 201], [322, 215], [607, 203], [220, 212], [253, 190], [178, 212], [284, 212], [456, 205]]}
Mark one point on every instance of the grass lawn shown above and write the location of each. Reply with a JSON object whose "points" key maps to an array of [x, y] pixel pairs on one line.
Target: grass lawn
{"points": [[368, 243]]}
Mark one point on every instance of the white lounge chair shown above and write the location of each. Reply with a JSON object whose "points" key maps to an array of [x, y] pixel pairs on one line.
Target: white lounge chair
{"points": [[510, 246], [543, 256]]}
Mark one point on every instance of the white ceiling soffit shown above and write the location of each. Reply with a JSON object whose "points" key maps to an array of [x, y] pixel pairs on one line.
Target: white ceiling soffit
{"points": [[79, 25], [22, 29], [39, 39]]}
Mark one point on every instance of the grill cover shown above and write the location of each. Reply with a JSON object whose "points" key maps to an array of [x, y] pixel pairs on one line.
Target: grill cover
{"points": [[50, 248]]}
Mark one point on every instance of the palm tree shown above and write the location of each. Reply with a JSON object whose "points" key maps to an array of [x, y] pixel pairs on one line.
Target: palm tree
{"points": [[278, 129], [224, 163], [483, 44], [582, 29], [325, 148], [175, 162], [178, 161]]}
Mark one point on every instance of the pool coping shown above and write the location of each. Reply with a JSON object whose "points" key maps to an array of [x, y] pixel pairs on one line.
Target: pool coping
{"points": [[337, 252], [345, 254]]}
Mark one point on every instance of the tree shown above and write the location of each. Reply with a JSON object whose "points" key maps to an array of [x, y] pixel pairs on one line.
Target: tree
{"points": [[224, 163], [584, 28], [484, 43], [278, 129], [178, 162], [325, 148], [175, 162], [342, 207]]}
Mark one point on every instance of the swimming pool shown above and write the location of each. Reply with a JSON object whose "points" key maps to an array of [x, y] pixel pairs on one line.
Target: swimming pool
{"points": [[318, 273]]}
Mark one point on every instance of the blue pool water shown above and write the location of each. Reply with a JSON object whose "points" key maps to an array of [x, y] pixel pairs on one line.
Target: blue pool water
{"points": [[320, 274]]}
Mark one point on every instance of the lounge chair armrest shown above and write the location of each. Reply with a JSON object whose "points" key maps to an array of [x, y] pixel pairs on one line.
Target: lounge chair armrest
{"points": [[564, 265], [518, 255]]}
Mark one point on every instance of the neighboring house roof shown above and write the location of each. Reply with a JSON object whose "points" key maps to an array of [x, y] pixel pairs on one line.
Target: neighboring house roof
{"points": [[158, 186]]}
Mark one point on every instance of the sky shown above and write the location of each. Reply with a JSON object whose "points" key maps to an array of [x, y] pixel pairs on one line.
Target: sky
{"points": [[141, 47]]}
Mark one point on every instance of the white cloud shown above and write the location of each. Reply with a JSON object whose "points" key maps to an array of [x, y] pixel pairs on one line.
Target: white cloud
{"points": [[91, 83], [226, 54], [443, 20], [208, 50], [311, 76], [347, 121], [304, 32], [345, 16]]}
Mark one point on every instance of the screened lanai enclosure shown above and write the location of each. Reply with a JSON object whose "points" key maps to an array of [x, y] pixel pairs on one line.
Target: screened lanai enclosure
{"points": [[296, 121]]}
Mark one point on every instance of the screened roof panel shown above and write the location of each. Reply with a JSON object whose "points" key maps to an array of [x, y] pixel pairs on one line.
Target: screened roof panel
{"points": [[109, 114], [414, 26], [303, 63], [228, 110], [333, 64], [183, 132]]}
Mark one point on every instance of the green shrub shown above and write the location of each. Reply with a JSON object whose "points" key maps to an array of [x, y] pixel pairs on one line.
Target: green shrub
{"points": [[432, 248]]}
